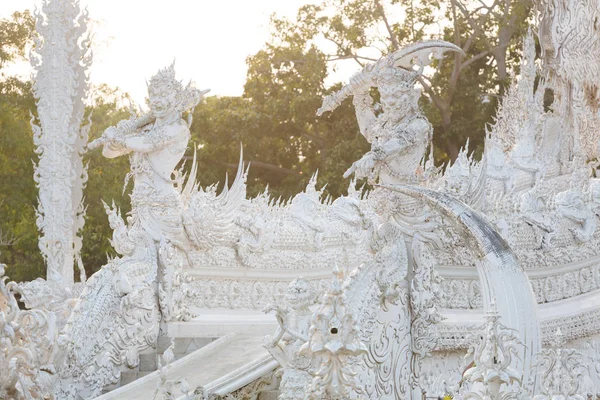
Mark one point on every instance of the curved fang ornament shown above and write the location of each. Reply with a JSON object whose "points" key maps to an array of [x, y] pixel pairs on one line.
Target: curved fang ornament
{"points": [[501, 276], [422, 53]]}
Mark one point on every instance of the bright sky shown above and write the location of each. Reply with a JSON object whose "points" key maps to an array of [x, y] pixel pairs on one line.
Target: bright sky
{"points": [[210, 39]]}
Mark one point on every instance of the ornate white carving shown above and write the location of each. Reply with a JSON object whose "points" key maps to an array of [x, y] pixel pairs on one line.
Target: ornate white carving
{"points": [[465, 178], [252, 391], [60, 59], [28, 343], [572, 207], [561, 371], [167, 389], [492, 347], [173, 288], [568, 37], [425, 302], [291, 335], [333, 346], [558, 284], [379, 293]]}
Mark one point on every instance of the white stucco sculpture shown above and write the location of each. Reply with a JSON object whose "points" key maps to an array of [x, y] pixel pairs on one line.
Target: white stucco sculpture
{"points": [[118, 311], [60, 60], [399, 135], [494, 254]]}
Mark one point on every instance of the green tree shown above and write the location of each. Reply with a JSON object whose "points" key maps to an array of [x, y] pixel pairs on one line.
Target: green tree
{"points": [[460, 97], [105, 180], [284, 141], [18, 231], [14, 36]]}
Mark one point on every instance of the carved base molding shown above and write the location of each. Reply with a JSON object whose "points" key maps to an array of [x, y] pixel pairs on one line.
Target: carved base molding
{"points": [[576, 317], [461, 284]]}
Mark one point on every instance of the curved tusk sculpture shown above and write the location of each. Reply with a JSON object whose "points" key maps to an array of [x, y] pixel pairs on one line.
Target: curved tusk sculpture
{"points": [[501, 276]]}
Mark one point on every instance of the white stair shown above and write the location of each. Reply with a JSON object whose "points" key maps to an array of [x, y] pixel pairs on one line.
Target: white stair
{"points": [[221, 367]]}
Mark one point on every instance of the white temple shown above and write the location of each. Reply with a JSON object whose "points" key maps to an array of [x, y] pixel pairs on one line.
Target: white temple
{"points": [[477, 281]]}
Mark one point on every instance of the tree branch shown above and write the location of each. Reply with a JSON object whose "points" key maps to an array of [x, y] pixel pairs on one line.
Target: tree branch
{"points": [[314, 138], [483, 54], [393, 39], [6, 239], [475, 25], [440, 103]]}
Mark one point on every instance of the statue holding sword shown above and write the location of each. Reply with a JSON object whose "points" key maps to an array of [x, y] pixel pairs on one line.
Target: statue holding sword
{"points": [[399, 134], [131, 292]]}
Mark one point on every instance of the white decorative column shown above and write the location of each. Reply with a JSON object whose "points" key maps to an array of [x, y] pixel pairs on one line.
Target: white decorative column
{"points": [[60, 59]]}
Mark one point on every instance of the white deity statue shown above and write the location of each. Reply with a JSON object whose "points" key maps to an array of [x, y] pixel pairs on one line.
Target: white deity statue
{"points": [[119, 310], [155, 143], [398, 133]]}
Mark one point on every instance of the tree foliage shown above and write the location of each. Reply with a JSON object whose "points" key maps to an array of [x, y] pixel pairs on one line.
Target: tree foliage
{"points": [[275, 121], [14, 35]]}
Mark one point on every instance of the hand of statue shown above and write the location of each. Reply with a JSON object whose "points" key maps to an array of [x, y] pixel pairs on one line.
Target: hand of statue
{"points": [[330, 103], [280, 313], [115, 140], [107, 138], [378, 151], [362, 81], [362, 168], [110, 134]]}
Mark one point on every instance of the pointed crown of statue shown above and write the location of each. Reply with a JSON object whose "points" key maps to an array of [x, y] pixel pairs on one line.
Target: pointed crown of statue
{"points": [[164, 84], [391, 79]]}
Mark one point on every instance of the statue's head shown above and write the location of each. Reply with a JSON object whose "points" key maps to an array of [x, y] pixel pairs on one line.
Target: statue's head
{"points": [[397, 90], [300, 294], [164, 92]]}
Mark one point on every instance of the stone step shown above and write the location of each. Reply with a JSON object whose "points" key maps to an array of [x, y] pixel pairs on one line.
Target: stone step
{"points": [[221, 367]]}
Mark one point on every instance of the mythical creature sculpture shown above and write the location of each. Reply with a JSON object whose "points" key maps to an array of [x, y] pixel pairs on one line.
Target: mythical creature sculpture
{"points": [[573, 208], [291, 334], [28, 342], [118, 311], [399, 135]]}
